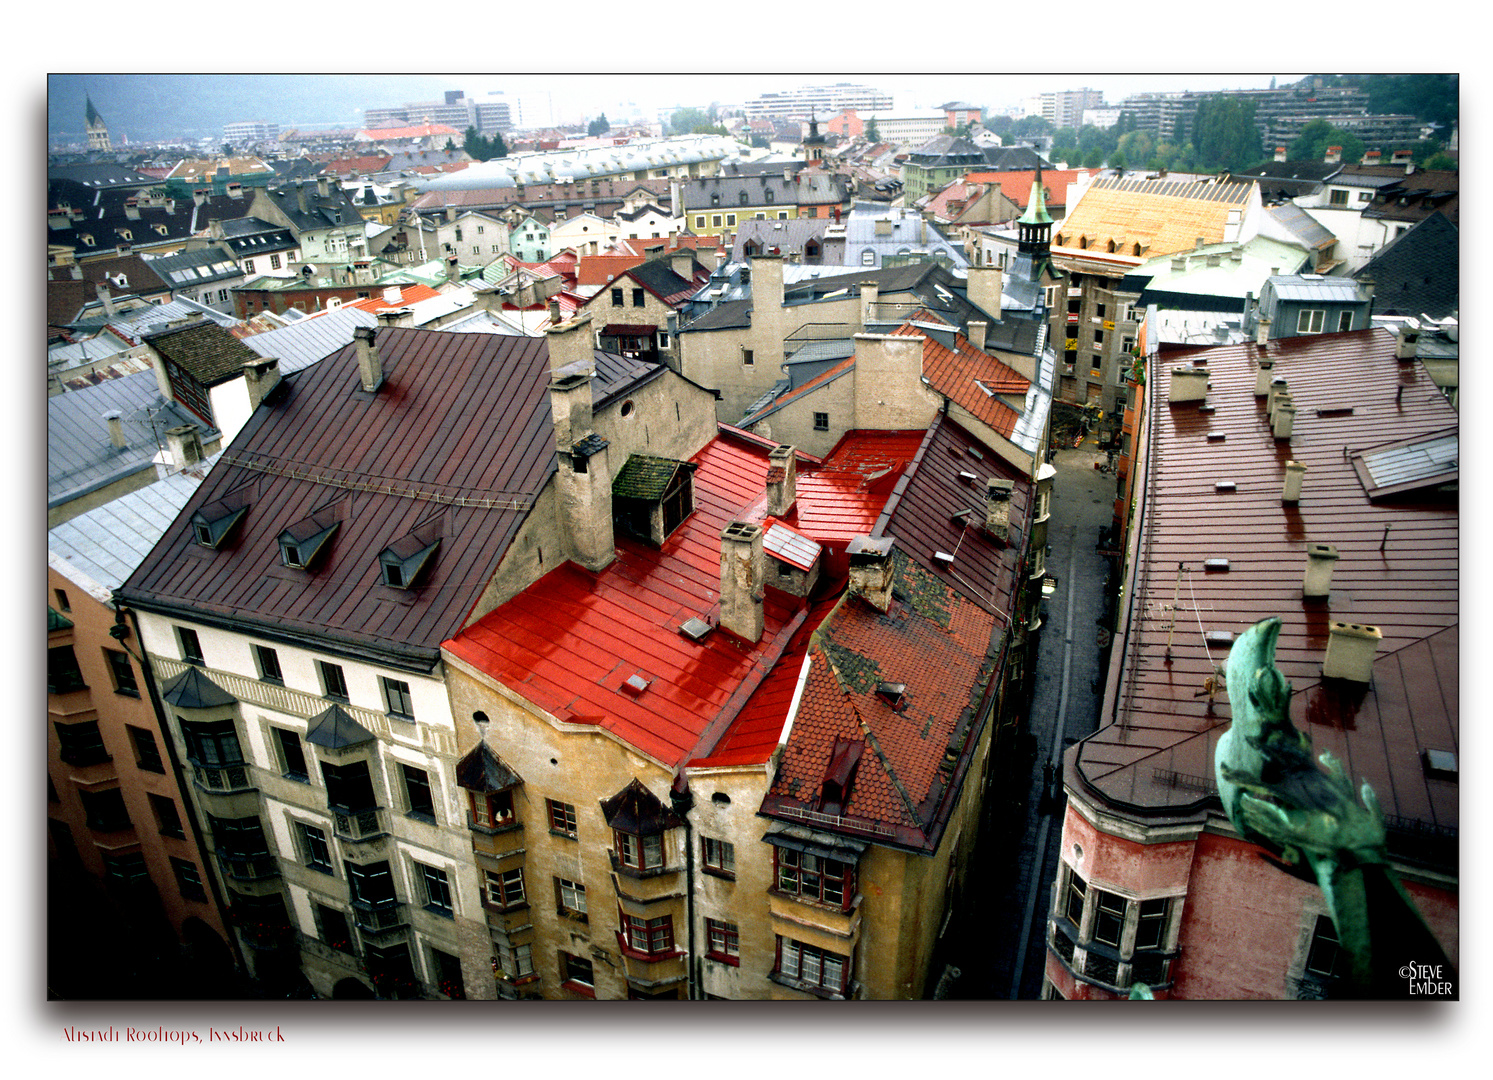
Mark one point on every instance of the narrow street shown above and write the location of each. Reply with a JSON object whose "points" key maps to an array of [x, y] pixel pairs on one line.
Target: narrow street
{"points": [[997, 941]]}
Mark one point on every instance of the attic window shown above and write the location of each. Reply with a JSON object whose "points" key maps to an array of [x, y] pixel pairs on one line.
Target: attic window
{"points": [[652, 497], [402, 562], [839, 774], [305, 540], [892, 693], [1441, 763], [212, 523]]}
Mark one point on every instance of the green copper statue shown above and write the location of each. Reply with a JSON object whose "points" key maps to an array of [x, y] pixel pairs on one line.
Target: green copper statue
{"points": [[1309, 821]]}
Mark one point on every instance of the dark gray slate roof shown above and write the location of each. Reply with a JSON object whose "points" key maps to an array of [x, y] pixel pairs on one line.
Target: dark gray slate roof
{"points": [[1416, 273], [192, 689]]}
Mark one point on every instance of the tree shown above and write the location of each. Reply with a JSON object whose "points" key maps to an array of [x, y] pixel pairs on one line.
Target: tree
{"points": [[1224, 132], [1117, 160], [1093, 158], [1137, 145], [599, 126], [872, 135], [1317, 135], [687, 120], [481, 148], [1440, 160]]}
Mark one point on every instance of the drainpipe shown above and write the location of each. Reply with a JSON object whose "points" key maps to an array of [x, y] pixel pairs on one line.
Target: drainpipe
{"points": [[683, 800], [119, 631]]}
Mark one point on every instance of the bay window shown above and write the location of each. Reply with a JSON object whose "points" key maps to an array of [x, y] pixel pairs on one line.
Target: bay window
{"points": [[809, 968]]}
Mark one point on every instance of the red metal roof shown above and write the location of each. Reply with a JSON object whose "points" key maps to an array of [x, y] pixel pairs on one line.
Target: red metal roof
{"points": [[408, 294], [570, 641], [1397, 570]]}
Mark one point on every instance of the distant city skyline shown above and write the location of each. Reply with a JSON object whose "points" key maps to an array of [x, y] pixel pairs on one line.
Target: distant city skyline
{"points": [[147, 108]]}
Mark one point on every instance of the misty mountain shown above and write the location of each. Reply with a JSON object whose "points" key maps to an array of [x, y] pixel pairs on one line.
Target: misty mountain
{"points": [[149, 107]]}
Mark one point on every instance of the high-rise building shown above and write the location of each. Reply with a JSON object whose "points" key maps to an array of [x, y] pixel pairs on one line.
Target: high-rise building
{"points": [[823, 101]]}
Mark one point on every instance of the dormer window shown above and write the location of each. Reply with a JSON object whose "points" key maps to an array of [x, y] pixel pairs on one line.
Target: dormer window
{"points": [[639, 822], [305, 540], [213, 522], [652, 497], [402, 562]]}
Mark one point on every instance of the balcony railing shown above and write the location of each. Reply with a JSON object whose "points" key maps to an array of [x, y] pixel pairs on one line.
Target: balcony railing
{"points": [[380, 919], [359, 825], [231, 778]]}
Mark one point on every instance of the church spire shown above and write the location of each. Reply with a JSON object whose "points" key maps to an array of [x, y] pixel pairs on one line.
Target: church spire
{"points": [[1034, 228]]}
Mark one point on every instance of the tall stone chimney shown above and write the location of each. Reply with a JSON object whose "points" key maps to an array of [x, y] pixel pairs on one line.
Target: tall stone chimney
{"points": [[324, 187], [871, 569], [370, 364], [782, 480], [870, 293], [889, 390], [743, 568], [1407, 342], [983, 287], [260, 377], [571, 343], [1291, 489], [767, 283], [102, 291], [977, 330], [1280, 153], [583, 480], [184, 444]]}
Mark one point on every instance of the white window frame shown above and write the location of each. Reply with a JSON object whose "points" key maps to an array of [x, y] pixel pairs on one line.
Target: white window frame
{"points": [[1311, 320]]}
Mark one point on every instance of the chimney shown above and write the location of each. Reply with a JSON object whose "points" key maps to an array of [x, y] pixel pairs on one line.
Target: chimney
{"points": [[782, 480], [300, 195], [404, 316], [1372, 157], [870, 292], [1316, 584], [453, 270], [889, 394], [450, 214], [554, 312], [1278, 387], [1262, 334], [132, 209], [983, 287], [115, 421], [976, 334], [1188, 384], [583, 480], [682, 262], [742, 573], [184, 444], [1334, 155], [720, 260], [767, 285], [370, 364], [1179, 263], [1280, 153], [324, 187], [998, 507], [1350, 651], [571, 345], [1406, 342], [104, 298], [1283, 418], [1291, 490], [871, 569], [261, 375]]}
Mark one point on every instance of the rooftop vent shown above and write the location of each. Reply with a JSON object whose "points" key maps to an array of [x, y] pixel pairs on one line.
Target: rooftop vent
{"points": [[943, 558], [1350, 651], [891, 692], [1216, 639], [1220, 565], [1440, 763], [635, 685], [1291, 489], [1317, 582], [1225, 485], [695, 628]]}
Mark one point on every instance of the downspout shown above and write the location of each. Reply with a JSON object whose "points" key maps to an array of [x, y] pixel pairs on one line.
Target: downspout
{"points": [[683, 800], [119, 631]]}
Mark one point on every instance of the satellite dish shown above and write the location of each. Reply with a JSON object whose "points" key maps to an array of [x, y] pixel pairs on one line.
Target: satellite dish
{"points": [[307, 270]]}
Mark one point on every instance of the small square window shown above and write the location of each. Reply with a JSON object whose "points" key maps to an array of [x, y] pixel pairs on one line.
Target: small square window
{"points": [[748, 358], [122, 673], [168, 817], [570, 897], [722, 941], [505, 889], [191, 648], [147, 753], [492, 809], [719, 857], [577, 974], [562, 818], [268, 662], [333, 684], [314, 850], [437, 890], [616, 297], [417, 793], [292, 754], [821, 421], [188, 879], [397, 698]]}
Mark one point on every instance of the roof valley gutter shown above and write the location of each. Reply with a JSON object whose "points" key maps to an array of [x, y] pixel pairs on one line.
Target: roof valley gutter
{"points": [[798, 694], [895, 498]]}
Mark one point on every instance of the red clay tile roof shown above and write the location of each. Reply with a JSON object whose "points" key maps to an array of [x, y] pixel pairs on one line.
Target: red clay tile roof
{"points": [[1017, 186], [1397, 570], [930, 640]]}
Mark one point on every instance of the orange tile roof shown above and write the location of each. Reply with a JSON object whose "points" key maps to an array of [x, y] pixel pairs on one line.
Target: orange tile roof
{"points": [[408, 294], [1017, 186]]}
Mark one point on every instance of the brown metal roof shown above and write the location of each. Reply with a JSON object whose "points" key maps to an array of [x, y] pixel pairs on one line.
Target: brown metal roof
{"points": [[1397, 570], [459, 434]]}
